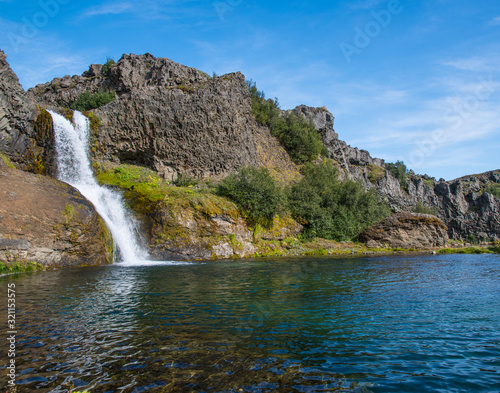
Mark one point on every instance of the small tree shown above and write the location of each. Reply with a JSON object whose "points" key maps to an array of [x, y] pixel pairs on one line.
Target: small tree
{"points": [[399, 171], [106, 68]]}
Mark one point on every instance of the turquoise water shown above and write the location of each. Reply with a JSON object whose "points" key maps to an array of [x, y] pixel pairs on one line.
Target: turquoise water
{"points": [[375, 324]]}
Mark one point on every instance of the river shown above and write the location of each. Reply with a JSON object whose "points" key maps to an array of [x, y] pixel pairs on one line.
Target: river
{"points": [[419, 323]]}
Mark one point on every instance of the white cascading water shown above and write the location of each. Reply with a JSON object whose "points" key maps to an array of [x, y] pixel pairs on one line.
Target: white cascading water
{"points": [[73, 167]]}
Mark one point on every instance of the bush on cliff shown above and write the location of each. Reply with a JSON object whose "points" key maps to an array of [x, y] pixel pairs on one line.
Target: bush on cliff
{"points": [[298, 136], [87, 101], [255, 192], [493, 189], [331, 209], [399, 171], [106, 68]]}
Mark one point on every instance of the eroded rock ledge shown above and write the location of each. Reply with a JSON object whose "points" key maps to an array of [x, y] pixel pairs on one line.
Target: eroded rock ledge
{"points": [[407, 230]]}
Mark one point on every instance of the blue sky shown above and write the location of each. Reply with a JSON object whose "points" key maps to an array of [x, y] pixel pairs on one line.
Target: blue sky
{"points": [[417, 81]]}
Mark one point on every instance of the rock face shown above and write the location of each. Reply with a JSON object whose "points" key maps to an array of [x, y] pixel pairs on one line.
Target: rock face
{"points": [[49, 222], [170, 117], [24, 137], [406, 230]]}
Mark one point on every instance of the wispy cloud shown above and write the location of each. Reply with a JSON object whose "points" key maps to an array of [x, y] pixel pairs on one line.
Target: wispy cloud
{"points": [[109, 9], [495, 21]]}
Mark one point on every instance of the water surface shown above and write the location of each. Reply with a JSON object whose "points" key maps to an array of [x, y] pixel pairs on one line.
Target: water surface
{"points": [[375, 324]]}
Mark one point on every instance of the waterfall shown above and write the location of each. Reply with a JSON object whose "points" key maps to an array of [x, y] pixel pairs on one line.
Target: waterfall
{"points": [[73, 167]]}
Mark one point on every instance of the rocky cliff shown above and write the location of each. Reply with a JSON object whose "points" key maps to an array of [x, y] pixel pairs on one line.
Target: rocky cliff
{"points": [[176, 119], [172, 118], [25, 132], [469, 211]]}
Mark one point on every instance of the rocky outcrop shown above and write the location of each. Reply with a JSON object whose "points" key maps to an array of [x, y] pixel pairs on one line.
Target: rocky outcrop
{"points": [[408, 231], [468, 211], [49, 222], [25, 136], [172, 118]]}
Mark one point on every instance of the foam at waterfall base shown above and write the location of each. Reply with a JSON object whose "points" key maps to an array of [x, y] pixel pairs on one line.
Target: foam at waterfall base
{"points": [[136, 263]]}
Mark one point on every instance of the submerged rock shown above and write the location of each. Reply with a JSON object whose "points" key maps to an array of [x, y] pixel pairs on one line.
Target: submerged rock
{"points": [[406, 230]]}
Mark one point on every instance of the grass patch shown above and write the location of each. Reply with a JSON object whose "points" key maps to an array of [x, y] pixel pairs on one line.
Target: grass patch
{"points": [[143, 188], [376, 173], [469, 250], [20, 267], [421, 208]]}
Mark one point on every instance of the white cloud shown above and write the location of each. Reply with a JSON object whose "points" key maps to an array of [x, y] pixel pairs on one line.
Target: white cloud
{"points": [[109, 9]]}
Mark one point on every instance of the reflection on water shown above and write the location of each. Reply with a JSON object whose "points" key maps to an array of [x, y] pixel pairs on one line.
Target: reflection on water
{"points": [[381, 324]]}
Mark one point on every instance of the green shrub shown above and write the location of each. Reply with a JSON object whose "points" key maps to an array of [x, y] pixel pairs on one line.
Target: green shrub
{"points": [[106, 68], [298, 136], [87, 101], [376, 173], [493, 189], [256, 194], [185, 180], [399, 171], [332, 209], [421, 208]]}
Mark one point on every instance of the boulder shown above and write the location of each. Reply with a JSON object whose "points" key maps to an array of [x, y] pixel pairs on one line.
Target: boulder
{"points": [[49, 222], [406, 230]]}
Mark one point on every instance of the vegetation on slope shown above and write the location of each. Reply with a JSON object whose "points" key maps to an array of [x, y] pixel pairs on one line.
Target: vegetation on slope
{"points": [[297, 135], [87, 101], [493, 189], [327, 208], [332, 209], [399, 171], [256, 194]]}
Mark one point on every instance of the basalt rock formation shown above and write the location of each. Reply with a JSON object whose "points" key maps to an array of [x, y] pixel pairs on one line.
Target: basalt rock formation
{"points": [[176, 119], [49, 222], [171, 118], [407, 230], [25, 131]]}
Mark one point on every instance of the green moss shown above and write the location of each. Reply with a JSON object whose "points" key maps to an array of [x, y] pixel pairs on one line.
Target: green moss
{"points": [[376, 173], [6, 160], [19, 266], [37, 156]]}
